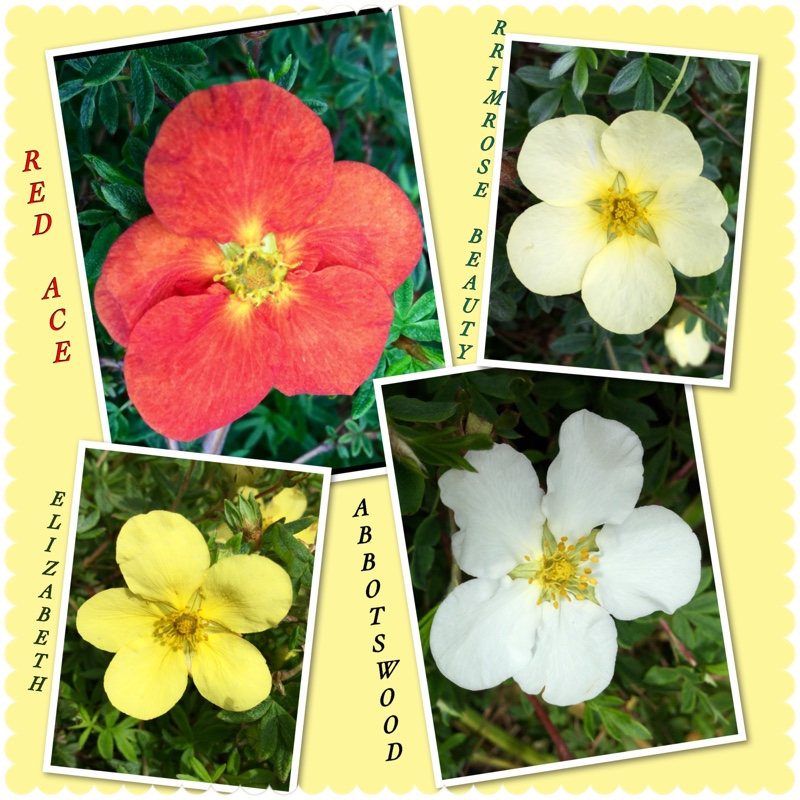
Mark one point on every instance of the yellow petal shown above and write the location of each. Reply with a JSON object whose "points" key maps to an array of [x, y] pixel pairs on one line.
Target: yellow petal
{"points": [[290, 503], [549, 248], [230, 672], [688, 349], [647, 147], [628, 285], [163, 557], [112, 618], [562, 162], [686, 215], [146, 678], [246, 594], [309, 534]]}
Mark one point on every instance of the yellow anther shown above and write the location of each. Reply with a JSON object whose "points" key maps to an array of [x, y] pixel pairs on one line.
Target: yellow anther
{"points": [[587, 571], [555, 603], [527, 558], [593, 581]]}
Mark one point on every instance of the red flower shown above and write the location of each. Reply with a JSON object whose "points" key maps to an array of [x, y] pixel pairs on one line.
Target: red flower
{"points": [[265, 264]]}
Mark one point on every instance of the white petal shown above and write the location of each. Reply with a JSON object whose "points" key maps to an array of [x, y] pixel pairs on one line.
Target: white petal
{"points": [[628, 285], [686, 215], [688, 349], [562, 162], [549, 248], [484, 631], [648, 147], [596, 477], [497, 510], [651, 562], [574, 656]]}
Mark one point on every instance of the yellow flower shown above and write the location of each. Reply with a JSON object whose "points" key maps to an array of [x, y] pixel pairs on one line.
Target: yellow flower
{"points": [[622, 205], [180, 616], [688, 349], [289, 504]]}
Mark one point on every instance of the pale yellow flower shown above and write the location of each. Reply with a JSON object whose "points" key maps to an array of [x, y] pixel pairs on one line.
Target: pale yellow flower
{"points": [[180, 616], [289, 504], [622, 205], [688, 349]]}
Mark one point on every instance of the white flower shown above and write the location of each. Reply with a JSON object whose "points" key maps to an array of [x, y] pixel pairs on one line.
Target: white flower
{"points": [[688, 349], [546, 580], [621, 205]]}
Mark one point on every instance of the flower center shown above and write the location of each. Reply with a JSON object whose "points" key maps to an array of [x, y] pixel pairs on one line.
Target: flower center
{"points": [[561, 571], [182, 629], [621, 212], [254, 272]]}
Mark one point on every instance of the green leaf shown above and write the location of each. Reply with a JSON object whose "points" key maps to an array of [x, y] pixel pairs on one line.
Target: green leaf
{"points": [[135, 151], [252, 714], [664, 72], [142, 89], [108, 106], [287, 81], [572, 343], [410, 409], [108, 173], [403, 298], [424, 308], [101, 244], [725, 75], [174, 55], [580, 78], [410, 488], [349, 94], [539, 77], [618, 724], [105, 744], [87, 107], [544, 107], [171, 82], [315, 104], [562, 64], [93, 216], [68, 90], [644, 99], [627, 77], [105, 68], [425, 331], [130, 201], [426, 540]]}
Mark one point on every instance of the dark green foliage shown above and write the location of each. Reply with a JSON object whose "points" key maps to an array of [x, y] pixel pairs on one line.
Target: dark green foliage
{"points": [[347, 71], [549, 81], [670, 683], [195, 740]]}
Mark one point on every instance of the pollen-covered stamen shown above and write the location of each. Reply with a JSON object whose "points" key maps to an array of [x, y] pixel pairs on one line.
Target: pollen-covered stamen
{"points": [[254, 272], [561, 571], [623, 212], [182, 630]]}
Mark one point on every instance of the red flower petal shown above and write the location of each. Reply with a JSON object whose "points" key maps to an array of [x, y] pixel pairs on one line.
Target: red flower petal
{"points": [[368, 223], [146, 265], [332, 326], [237, 162], [197, 363]]}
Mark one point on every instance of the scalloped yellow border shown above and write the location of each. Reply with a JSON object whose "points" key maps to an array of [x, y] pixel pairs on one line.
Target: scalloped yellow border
{"points": [[744, 431]]}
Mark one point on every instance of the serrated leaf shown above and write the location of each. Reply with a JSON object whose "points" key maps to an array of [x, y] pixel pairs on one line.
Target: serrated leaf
{"points": [[627, 77], [142, 89], [105, 68]]}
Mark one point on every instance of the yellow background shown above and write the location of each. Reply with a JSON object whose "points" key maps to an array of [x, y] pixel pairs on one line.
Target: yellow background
{"points": [[744, 431]]}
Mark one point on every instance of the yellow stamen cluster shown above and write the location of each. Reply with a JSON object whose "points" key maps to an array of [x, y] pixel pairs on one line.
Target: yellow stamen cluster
{"points": [[254, 272], [621, 212], [182, 629], [561, 571]]}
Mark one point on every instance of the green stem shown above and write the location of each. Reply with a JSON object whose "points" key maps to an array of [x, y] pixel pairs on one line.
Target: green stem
{"points": [[675, 85], [612, 356]]}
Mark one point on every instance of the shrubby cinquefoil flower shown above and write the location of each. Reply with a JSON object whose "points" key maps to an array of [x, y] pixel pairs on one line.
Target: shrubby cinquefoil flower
{"points": [[688, 349], [622, 205], [551, 569], [265, 264], [180, 617]]}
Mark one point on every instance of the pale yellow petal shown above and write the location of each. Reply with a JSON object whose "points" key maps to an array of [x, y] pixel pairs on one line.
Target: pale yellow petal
{"points": [[230, 672], [647, 147], [246, 594], [686, 215], [289, 503], [163, 557], [146, 678], [688, 349], [549, 248], [112, 618], [629, 285], [562, 162], [308, 535]]}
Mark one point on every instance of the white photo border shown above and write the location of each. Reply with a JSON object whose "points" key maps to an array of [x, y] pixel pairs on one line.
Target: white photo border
{"points": [[174, 455], [725, 382], [739, 736]]}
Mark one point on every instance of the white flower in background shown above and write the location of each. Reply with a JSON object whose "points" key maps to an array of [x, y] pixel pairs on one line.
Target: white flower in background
{"points": [[688, 349], [547, 581], [622, 205]]}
